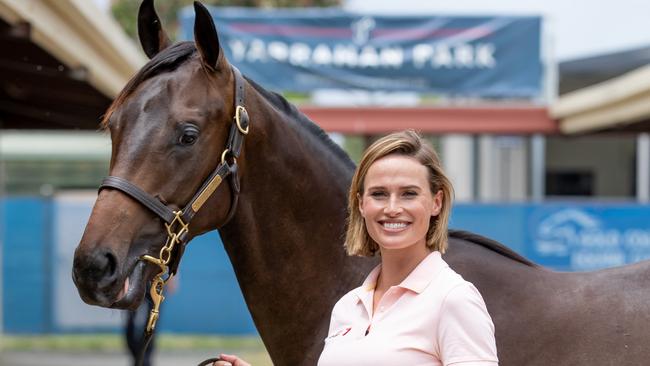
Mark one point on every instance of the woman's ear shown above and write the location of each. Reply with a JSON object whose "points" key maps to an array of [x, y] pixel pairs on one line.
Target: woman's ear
{"points": [[360, 199], [436, 206]]}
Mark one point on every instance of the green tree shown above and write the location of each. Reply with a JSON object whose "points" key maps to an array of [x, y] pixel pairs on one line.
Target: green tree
{"points": [[126, 11]]}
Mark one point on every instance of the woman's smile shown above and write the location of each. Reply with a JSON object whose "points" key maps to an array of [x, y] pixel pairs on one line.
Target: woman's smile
{"points": [[394, 226]]}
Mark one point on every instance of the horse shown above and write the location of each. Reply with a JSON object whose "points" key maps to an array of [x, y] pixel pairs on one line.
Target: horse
{"points": [[281, 214]]}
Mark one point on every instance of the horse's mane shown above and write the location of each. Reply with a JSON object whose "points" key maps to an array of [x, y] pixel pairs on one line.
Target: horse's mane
{"points": [[279, 102], [490, 244]]}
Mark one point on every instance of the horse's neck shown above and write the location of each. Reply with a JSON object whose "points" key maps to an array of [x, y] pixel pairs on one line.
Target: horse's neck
{"points": [[285, 240]]}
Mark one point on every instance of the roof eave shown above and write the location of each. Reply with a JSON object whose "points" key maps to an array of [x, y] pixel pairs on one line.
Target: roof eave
{"points": [[81, 36]]}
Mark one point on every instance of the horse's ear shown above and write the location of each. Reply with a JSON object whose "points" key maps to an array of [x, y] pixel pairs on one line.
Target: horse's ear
{"points": [[205, 36], [152, 37]]}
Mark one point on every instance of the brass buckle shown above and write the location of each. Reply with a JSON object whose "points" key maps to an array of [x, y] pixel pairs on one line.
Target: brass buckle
{"points": [[223, 157], [183, 227], [238, 111]]}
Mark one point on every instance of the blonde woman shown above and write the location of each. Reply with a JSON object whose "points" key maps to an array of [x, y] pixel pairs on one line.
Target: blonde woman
{"points": [[412, 309]]}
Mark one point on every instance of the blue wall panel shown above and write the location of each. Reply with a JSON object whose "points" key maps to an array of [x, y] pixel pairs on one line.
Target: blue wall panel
{"points": [[503, 223], [562, 236], [25, 264], [207, 298]]}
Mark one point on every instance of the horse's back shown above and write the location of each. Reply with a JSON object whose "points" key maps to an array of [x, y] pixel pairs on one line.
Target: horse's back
{"points": [[544, 317]]}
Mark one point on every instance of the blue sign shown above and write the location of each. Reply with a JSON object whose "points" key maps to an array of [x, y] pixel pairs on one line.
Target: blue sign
{"points": [[564, 236], [303, 50], [588, 237]]}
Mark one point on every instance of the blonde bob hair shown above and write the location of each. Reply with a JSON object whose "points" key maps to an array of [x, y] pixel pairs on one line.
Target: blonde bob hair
{"points": [[407, 143]]}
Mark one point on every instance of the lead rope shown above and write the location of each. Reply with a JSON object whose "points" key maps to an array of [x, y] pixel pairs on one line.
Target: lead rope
{"points": [[161, 279], [209, 361]]}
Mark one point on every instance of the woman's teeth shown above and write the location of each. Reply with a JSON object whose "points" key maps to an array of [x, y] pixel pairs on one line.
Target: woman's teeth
{"points": [[394, 225]]}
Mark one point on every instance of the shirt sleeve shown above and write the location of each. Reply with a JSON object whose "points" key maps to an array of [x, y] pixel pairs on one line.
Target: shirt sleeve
{"points": [[465, 330]]}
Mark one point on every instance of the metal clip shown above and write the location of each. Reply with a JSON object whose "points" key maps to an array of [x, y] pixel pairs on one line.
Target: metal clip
{"points": [[157, 297], [156, 261]]}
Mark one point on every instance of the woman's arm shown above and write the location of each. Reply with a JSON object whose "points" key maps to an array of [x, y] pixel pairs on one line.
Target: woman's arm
{"points": [[466, 331]]}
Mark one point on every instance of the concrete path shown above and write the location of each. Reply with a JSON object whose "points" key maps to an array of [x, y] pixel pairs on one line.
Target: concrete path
{"points": [[49, 358]]}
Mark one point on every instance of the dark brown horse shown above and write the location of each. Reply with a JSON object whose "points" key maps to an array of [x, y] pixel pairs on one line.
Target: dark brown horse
{"points": [[282, 217]]}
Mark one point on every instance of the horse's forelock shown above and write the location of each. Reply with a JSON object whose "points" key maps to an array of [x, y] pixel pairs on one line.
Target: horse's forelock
{"points": [[166, 61]]}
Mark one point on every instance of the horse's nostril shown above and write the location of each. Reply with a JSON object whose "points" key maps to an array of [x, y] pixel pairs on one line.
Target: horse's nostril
{"points": [[111, 265], [99, 267]]}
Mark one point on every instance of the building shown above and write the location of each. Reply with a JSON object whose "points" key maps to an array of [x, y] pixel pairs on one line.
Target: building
{"points": [[509, 160]]}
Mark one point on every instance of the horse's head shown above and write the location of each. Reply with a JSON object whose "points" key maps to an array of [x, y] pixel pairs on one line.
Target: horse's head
{"points": [[169, 127]]}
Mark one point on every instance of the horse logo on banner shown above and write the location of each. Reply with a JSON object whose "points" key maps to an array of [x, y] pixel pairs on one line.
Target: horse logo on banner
{"points": [[362, 30]]}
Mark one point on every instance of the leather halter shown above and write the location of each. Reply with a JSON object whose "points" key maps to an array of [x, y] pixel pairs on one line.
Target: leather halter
{"points": [[226, 168]]}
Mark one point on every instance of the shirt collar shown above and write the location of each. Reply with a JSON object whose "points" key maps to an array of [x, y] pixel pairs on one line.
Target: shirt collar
{"points": [[424, 273], [371, 281], [366, 291], [416, 281]]}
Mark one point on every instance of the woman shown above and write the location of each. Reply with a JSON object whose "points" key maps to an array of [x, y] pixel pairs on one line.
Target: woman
{"points": [[412, 309]]}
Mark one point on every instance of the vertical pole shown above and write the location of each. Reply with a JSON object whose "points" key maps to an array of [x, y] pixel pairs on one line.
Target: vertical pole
{"points": [[538, 168], [2, 233], [643, 167], [49, 258], [476, 168], [458, 160], [489, 169], [551, 74]]}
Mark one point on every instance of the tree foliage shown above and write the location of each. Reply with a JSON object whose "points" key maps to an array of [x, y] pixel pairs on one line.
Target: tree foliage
{"points": [[126, 11]]}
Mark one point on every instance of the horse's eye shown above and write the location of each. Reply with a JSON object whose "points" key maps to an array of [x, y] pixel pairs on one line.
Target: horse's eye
{"points": [[190, 135]]}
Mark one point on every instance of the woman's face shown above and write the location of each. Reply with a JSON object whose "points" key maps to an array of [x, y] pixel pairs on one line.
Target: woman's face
{"points": [[397, 203]]}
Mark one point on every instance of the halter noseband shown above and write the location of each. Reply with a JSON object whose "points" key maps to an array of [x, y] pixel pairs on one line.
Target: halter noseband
{"points": [[177, 222]]}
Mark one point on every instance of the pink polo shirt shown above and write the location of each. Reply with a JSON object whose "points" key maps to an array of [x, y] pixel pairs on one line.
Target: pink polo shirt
{"points": [[434, 317]]}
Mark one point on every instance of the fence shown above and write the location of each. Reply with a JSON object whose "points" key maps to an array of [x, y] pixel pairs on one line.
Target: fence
{"points": [[41, 234]]}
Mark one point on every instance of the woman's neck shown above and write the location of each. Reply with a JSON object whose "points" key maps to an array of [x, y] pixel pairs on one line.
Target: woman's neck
{"points": [[396, 265]]}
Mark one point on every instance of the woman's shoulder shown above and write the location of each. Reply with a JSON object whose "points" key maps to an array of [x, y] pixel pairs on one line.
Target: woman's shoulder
{"points": [[459, 293], [349, 299], [462, 292], [448, 280]]}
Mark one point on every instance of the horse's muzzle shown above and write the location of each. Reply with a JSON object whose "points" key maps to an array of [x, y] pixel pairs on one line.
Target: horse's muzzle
{"points": [[97, 277]]}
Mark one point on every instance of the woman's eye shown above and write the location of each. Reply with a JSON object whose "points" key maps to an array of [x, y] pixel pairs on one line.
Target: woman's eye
{"points": [[377, 194], [410, 193], [190, 135]]}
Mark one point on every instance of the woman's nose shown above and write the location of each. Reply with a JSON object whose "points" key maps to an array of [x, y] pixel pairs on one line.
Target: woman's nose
{"points": [[393, 206]]}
